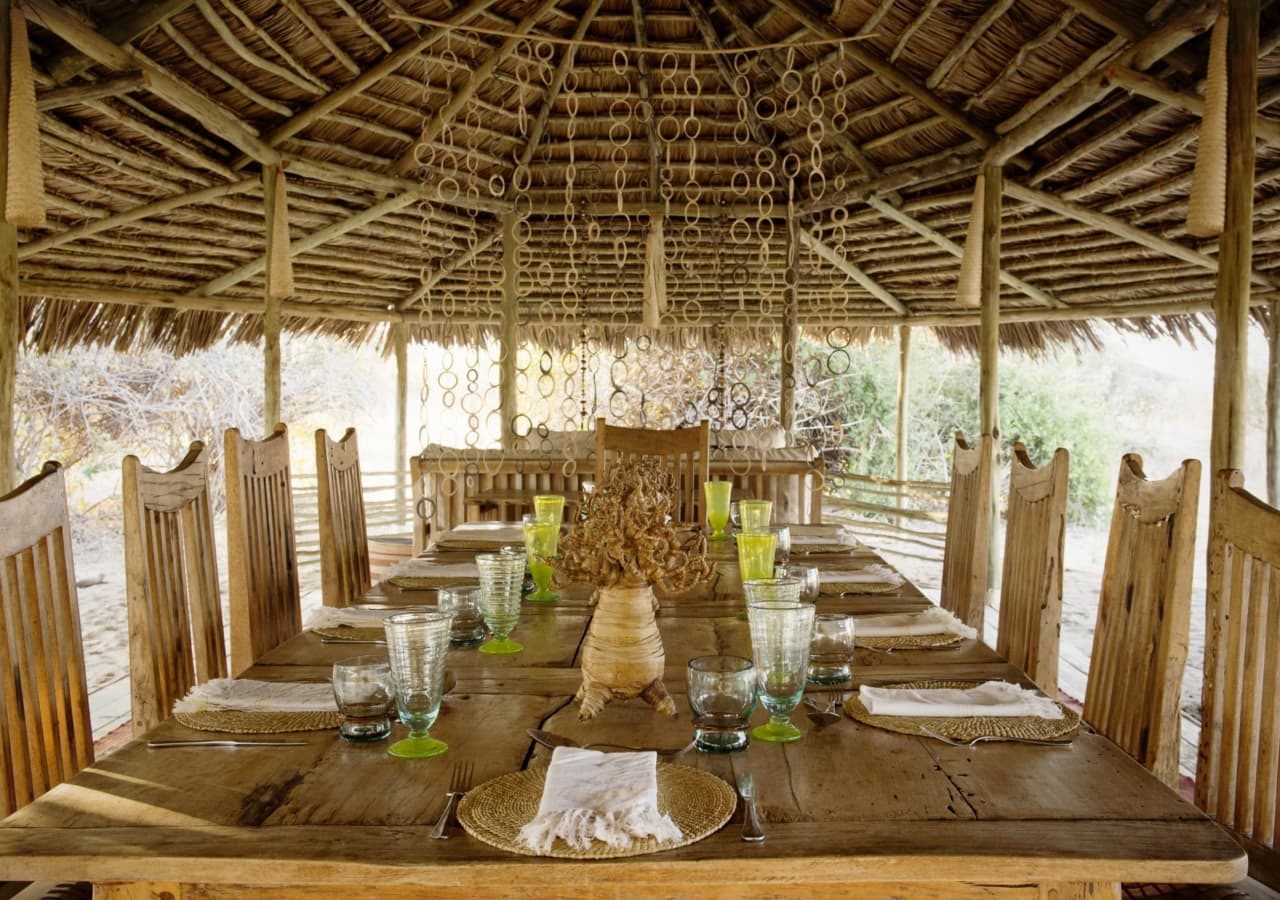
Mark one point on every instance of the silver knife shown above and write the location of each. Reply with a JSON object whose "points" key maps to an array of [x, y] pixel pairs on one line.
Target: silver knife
{"points": [[164, 745], [752, 830], [345, 641]]}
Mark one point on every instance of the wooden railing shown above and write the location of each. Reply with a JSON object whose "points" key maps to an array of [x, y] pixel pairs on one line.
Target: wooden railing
{"points": [[912, 513]]}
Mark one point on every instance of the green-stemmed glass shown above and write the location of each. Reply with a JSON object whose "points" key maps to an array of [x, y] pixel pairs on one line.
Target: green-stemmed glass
{"points": [[780, 634], [501, 580], [540, 543], [417, 643], [755, 554], [718, 493], [755, 514], [549, 508]]}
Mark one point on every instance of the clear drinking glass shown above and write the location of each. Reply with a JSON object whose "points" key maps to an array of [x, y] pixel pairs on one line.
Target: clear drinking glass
{"points": [[780, 634], [418, 643], [735, 516], [549, 508], [501, 579], [755, 555], [541, 540], [783, 550], [722, 695], [364, 693], [718, 493], [755, 514], [810, 580], [462, 601], [831, 650]]}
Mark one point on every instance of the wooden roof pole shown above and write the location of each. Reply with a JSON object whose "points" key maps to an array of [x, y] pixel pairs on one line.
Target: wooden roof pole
{"points": [[101, 49], [807, 238], [901, 432], [1267, 130], [1273, 405], [646, 97], [790, 318], [989, 355], [120, 30], [1235, 257], [400, 464], [10, 318], [508, 335], [271, 314], [478, 76], [448, 268]]}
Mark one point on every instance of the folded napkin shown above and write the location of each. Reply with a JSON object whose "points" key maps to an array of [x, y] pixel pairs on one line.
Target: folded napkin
{"points": [[426, 568], [589, 795], [934, 620], [822, 534], [349, 617], [267, 696], [873, 574], [991, 698]]}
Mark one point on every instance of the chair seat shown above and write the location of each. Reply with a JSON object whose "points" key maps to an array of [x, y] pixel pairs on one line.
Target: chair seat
{"points": [[47, 890], [1244, 890]]}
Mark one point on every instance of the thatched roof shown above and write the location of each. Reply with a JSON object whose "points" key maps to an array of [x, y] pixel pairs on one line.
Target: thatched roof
{"points": [[405, 142]]}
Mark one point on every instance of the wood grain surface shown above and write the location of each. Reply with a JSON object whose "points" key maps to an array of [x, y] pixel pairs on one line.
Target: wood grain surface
{"points": [[850, 809]]}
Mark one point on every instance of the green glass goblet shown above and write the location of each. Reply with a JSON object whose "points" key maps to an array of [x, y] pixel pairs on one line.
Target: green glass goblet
{"points": [[781, 631], [549, 508], [417, 643], [501, 580], [541, 540], [755, 555], [718, 493]]}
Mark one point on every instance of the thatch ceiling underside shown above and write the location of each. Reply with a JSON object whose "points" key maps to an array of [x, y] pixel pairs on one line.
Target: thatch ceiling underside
{"points": [[405, 142]]}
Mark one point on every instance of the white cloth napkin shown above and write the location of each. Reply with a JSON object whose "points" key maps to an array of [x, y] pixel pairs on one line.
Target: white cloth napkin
{"points": [[991, 698], [872, 574], [425, 568], [822, 534], [270, 696], [934, 620], [350, 617], [589, 795]]}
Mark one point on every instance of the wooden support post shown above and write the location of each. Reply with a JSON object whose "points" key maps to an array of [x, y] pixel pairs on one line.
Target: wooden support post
{"points": [[1235, 256], [508, 342], [271, 314], [400, 338], [904, 412], [1273, 406], [989, 354], [790, 318], [10, 329]]}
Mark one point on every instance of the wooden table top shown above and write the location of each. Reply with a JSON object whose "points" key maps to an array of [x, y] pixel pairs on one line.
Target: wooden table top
{"points": [[849, 803]]}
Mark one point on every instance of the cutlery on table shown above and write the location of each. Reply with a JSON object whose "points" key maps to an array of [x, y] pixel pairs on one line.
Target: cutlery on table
{"points": [[551, 741], [752, 830], [345, 641], [822, 716], [928, 732], [165, 745], [459, 784]]}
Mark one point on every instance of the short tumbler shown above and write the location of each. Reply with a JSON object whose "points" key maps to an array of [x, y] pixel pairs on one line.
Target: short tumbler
{"points": [[755, 555], [418, 643], [755, 514], [362, 688], [462, 601], [831, 652], [722, 695]]}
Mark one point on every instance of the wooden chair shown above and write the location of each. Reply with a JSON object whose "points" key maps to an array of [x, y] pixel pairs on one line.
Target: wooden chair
{"points": [[1237, 772], [171, 580], [45, 735], [686, 450], [262, 559], [1031, 583], [964, 556], [1144, 615], [344, 543]]}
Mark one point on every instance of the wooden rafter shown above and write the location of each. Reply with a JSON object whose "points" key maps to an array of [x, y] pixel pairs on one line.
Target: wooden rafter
{"points": [[446, 269], [1268, 130], [477, 77], [646, 96], [84, 93], [120, 30]]}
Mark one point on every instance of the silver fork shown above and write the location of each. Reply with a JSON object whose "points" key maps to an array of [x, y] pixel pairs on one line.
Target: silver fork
{"points": [[987, 737], [459, 784]]}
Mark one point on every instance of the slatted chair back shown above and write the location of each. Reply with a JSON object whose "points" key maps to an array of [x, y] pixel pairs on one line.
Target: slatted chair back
{"points": [[45, 735], [1144, 615], [171, 581], [1237, 773], [687, 452], [1031, 582], [344, 543], [964, 556], [262, 561]]}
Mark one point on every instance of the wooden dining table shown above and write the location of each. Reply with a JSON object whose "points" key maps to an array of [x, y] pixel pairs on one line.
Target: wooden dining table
{"points": [[849, 810]]}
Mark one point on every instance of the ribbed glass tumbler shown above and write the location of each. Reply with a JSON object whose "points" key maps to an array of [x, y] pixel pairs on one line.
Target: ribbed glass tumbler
{"points": [[781, 630], [501, 578], [417, 643]]}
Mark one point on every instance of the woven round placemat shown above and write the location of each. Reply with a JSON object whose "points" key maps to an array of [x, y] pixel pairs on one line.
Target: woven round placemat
{"points": [[1012, 728], [838, 588], [351, 633], [422, 582], [698, 802], [239, 721], [821, 549], [906, 641]]}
